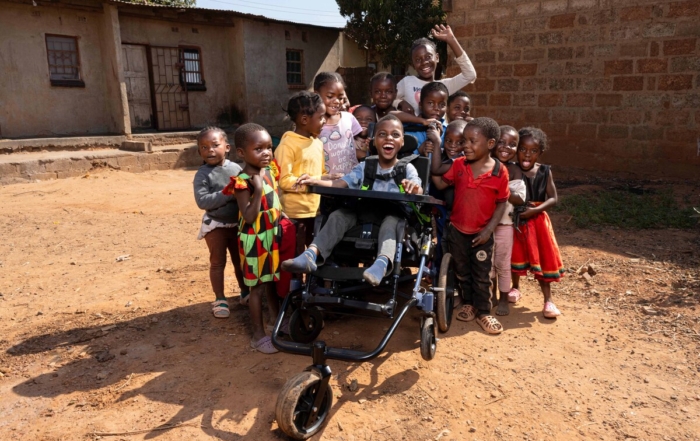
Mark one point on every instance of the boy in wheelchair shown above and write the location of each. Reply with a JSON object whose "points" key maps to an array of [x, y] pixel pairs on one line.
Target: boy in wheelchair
{"points": [[387, 176]]}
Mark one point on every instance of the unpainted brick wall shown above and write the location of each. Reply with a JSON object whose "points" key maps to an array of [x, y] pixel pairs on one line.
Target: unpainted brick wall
{"points": [[614, 83]]}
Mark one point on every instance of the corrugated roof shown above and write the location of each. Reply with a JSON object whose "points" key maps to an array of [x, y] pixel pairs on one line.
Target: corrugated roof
{"points": [[222, 11]]}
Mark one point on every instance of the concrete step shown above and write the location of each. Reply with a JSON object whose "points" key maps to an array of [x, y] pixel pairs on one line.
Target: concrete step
{"points": [[23, 167]]}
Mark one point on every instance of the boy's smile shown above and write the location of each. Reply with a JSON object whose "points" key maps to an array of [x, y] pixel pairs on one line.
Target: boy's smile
{"points": [[454, 143], [459, 108], [388, 140], [476, 146], [507, 146]]}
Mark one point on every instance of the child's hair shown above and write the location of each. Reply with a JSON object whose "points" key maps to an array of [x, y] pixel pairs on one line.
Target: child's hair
{"points": [[423, 42], [458, 124], [327, 77], [362, 106], [381, 76], [458, 94], [508, 129], [537, 135], [432, 87], [243, 132], [489, 127], [303, 103], [208, 129], [390, 117]]}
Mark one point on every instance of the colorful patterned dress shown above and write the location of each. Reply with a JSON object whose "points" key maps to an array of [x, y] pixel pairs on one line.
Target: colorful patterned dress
{"points": [[259, 243]]}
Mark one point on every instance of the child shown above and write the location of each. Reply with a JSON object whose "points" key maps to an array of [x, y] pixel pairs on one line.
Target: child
{"points": [[301, 152], [389, 140], [365, 115], [256, 192], [425, 59], [220, 221], [503, 235], [433, 104], [341, 127], [406, 108], [459, 106], [383, 91], [481, 191], [535, 247]]}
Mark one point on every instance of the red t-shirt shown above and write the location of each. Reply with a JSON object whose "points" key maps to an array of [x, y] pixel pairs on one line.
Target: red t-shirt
{"points": [[475, 199]]}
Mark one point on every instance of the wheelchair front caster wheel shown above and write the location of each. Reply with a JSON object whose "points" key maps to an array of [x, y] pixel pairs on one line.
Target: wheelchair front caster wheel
{"points": [[428, 342], [445, 299], [295, 405], [305, 325]]}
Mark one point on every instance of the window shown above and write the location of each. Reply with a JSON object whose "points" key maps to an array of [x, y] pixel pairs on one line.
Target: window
{"points": [[192, 69], [64, 61], [295, 68]]}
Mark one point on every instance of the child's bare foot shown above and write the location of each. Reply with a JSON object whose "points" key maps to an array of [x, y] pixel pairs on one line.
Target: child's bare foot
{"points": [[503, 306]]}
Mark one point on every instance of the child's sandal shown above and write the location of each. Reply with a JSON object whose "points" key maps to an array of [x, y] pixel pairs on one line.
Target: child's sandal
{"points": [[244, 297], [220, 308], [489, 324], [550, 310], [467, 313]]}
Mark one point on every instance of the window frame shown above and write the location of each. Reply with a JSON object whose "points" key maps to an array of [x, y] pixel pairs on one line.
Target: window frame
{"points": [[300, 85], [65, 83], [192, 87]]}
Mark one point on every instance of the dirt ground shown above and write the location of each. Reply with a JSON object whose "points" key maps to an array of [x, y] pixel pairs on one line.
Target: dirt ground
{"points": [[96, 347]]}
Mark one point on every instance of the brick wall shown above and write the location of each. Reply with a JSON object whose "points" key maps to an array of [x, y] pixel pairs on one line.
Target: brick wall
{"points": [[614, 83]]}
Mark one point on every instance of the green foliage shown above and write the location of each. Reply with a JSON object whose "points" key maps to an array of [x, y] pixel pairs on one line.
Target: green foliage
{"points": [[386, 28], [624, 209], [180, 3]]}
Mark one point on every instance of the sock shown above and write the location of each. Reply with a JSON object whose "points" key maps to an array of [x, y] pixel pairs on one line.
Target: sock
{"points": [[375, 273], [303, 263]]}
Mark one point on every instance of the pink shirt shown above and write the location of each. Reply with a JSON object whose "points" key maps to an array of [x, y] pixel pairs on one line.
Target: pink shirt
{"points": [[339, 144]]}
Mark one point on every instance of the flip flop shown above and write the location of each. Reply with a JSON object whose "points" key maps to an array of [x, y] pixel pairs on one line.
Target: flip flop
{"points": [[284, 327], [489, 324], [466, 313], [550, 310], [514, 295], [220, 308], [264, 345], [245, 296]]}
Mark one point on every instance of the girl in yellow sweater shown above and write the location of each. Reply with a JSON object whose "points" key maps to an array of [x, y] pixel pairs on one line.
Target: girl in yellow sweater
{"points": [[301, 153]]}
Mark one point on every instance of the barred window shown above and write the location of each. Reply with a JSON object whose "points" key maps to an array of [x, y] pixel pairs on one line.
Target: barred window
{"points": [[64, 61], [192, 69], [295, 68]]}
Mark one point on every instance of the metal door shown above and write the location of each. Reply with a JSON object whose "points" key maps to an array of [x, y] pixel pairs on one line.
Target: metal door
{"points": [[171, 105], [138, 89]]}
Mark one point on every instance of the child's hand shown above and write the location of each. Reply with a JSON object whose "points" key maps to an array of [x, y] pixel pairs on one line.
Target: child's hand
{"points": [[297, 185], [411, 187], [426, 148], [529, 212], [481, 238], [433, 135], [427, 122], [308, 180], [443, 33], [332, 177]]}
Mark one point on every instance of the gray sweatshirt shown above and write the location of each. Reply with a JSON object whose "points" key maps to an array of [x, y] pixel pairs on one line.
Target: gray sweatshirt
{"points": [[208, 184]]}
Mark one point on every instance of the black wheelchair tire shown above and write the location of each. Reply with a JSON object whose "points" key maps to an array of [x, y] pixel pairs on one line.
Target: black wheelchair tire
{"points": [[294, 403], [428, 342], [299, 331], [444, 299]]}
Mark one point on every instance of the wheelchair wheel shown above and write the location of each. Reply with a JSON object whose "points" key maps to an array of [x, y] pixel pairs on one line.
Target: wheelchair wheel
{"points": [[305, 325], [428, 341], [294, 404], [444, 302]]}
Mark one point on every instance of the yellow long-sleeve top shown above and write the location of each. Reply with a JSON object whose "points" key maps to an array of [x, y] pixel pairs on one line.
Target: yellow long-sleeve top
{"points": [[297, 155]]}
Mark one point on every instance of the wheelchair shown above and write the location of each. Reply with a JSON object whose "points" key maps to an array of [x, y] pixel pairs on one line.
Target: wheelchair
{"points": [[305, 401]]}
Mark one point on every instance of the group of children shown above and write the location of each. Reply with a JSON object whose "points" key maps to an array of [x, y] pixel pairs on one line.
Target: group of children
{"points": [[496, 226]]}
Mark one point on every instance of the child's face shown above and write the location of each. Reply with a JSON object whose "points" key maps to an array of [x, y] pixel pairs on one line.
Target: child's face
{"points": [[388, 138], [257, 152], [425, 61], [213, 148], [507, 146], [434, 104], [365, 117], [407, 108], [459, 108], [383, 93], [529, 152], [314, 123], [454, 142], [476, 145], [332, 94]]}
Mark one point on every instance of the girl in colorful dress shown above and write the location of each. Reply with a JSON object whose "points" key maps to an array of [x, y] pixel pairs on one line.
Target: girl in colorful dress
{"points": [[534, 247], [258, 229]]}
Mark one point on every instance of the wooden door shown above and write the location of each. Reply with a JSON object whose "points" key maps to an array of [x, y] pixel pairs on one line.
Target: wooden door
{"points": [[172, 108], [138, 88]]}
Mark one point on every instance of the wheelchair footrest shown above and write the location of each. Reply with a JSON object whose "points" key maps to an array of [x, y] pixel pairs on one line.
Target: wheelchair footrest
{"points": [[341, 274], [384, 308]]}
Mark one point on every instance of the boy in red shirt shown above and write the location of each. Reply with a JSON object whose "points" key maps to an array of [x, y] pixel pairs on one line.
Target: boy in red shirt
{"points": [[481, 191]]}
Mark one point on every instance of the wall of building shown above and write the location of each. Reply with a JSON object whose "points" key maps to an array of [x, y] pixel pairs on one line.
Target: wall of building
{"points": [[29, 105], [614, 83], [218, 54], [265, 61]]}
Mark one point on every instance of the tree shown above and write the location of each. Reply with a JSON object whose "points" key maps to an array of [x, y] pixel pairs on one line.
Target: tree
{"points": [[386, 28], [181, 3]]}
